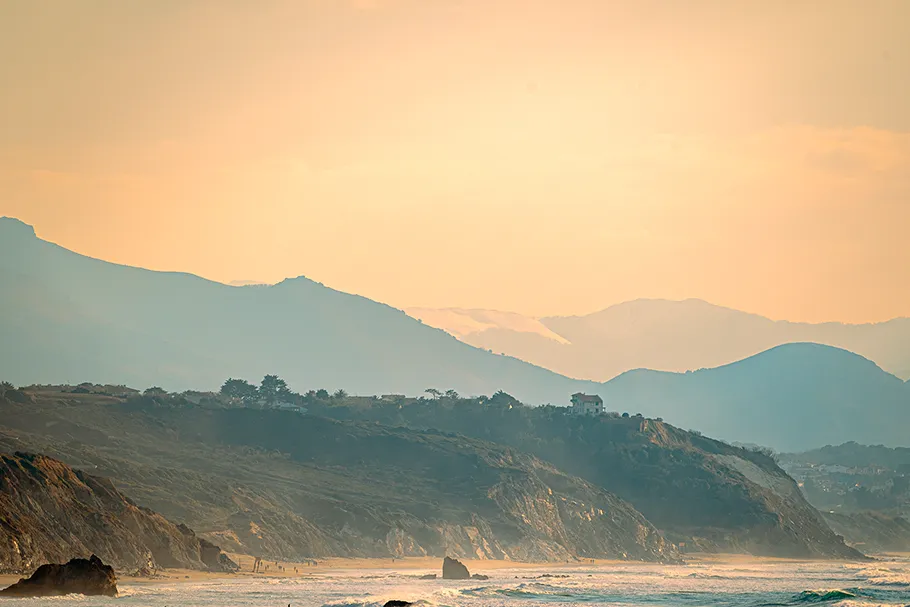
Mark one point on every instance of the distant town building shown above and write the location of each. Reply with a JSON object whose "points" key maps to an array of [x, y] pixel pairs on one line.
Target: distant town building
{"points": [[392, 398], [587, 404]]}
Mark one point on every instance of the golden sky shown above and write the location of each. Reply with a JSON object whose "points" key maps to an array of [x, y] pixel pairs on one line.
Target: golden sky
{"points": [[540, 157]]}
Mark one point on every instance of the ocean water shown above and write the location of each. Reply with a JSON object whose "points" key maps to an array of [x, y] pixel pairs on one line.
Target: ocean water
{"points": [[737, 583]]}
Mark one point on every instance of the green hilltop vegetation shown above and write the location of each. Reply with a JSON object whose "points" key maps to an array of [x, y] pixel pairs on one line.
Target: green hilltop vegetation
{"points": [[264, 470]]}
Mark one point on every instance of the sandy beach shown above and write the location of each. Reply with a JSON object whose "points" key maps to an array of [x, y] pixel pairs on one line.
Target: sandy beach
{"points": [[272, 569], [290, 569]]}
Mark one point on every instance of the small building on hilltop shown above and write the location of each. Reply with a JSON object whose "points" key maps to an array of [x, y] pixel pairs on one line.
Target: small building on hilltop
{"points": [[587, 404]]}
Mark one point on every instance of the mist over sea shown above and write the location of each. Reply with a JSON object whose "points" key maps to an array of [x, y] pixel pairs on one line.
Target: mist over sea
{"points": [[885, 581]]}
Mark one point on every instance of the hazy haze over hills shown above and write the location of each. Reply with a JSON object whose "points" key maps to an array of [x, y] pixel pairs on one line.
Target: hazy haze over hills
{"points": [[660, 334], [73, 319]]}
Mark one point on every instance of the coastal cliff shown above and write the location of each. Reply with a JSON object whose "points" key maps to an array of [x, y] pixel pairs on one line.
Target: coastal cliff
{"points": [[700, 492], [461, 478], [288, 486], [50, 513]]}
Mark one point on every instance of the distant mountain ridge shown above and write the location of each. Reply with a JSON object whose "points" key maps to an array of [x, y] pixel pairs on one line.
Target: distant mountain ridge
{"points": [[660, 334], [67, 318], [75, 318]]}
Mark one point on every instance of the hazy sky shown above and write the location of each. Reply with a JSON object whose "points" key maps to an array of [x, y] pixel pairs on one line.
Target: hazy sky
{"points": [[542, 157]]}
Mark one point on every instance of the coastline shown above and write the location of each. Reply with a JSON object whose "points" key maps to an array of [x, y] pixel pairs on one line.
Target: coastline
{"points": [[412, 565]]}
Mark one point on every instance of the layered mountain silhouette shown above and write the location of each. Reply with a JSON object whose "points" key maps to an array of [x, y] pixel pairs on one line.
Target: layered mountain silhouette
{"points": [[660, 334], [69, 318]]}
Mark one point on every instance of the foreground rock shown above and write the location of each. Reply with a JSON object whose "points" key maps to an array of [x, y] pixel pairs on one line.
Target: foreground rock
{"points": [[397, 604], [79, 576], [49, 512], [454, 570]]}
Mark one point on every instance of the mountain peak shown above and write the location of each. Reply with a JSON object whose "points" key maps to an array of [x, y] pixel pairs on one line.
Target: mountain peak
{"points": [[11, 225], [800, 352], [298, 281]]}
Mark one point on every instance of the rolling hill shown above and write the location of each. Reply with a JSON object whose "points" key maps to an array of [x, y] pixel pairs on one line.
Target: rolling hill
{"points": [[660, 334], [786, 398]]}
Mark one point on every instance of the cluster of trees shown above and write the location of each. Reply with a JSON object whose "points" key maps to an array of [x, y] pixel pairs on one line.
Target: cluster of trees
{"points": [[271, 391], [451, 396], [5, 387]]}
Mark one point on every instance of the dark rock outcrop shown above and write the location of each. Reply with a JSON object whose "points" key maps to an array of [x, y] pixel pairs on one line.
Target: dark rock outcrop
{"points": [[397, 604], [454, 570], [79, 576], [50, 512]]}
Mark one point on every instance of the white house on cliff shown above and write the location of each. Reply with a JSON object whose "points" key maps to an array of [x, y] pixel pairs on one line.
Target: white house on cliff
{"points": [[587, 404]]}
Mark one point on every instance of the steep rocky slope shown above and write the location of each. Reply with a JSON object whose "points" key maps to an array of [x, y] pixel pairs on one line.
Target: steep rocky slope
{"points": [[697, 490], [290, 486], [50, 513]]}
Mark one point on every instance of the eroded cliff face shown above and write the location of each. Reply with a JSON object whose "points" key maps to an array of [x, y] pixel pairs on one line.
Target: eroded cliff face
{"points": [[534, 513], [50, 513]]}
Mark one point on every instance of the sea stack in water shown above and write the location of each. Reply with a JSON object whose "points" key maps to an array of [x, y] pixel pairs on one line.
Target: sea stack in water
{"points": [[79, 576], [454, 570]]}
